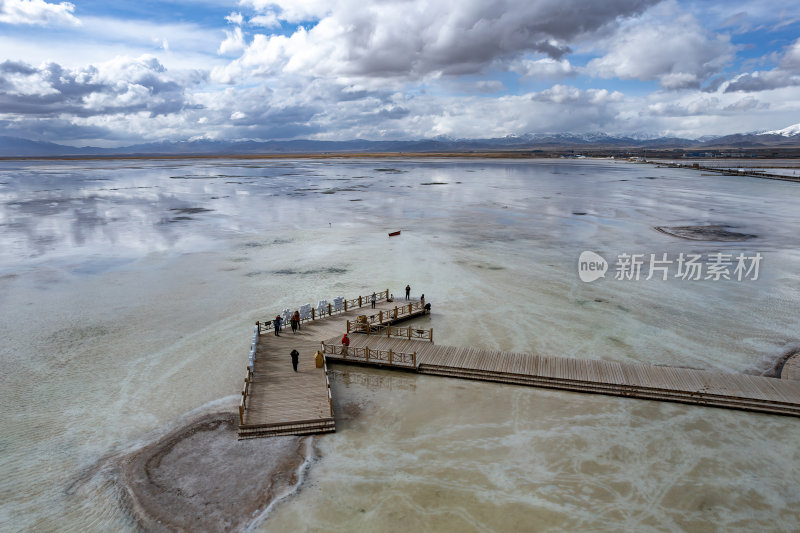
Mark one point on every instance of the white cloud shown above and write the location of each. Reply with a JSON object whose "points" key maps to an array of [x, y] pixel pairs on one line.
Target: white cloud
{"points": [[267, 20], [546, 68], [678, 53], [791, 58], [786, 74], [235, 18], [37, 12], [341, 69], [292, 11], [122, 84], [234, 42], [355, 39]]}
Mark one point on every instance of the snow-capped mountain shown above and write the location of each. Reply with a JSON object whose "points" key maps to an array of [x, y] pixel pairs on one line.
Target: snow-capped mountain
{"points": [[784, 138], [790, 131]]}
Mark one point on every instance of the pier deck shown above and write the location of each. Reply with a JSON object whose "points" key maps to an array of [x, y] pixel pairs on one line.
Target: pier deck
{"points": [[280, 401], [699, 387]]}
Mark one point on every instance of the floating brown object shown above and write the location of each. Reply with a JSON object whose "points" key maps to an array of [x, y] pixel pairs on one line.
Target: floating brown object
{"points": [[394, 233], [713, 232]]}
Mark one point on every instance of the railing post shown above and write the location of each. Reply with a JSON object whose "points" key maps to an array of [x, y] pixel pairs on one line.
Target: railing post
{"points": [[348, 326], [345, 305], [390, 356], [380, 317], [431, 337], [359, 301], [241, 416], [366, 351], [410, 308], [312, 313], [415, 359], [409, 332], [387, 294], [330, 309], [395, 312], [388, 331]]}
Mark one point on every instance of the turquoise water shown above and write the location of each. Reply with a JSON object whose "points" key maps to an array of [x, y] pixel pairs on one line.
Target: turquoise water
{"points": [[129, 289]]}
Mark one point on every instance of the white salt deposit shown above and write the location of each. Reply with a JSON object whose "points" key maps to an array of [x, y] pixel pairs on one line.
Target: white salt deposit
{"points": [[129, 293]]}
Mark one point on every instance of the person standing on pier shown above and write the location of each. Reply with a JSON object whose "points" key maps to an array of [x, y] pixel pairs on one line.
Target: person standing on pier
{"points": [[295, 321], [345, 344], [295, 357], [276, 325], [372, 300], [408, 292]]}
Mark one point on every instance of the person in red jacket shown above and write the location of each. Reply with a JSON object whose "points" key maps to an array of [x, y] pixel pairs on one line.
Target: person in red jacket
{"points": [[345, 344]]}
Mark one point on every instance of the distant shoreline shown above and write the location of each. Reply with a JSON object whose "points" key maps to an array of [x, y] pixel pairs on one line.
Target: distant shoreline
{"points": [[729, 171], [344, 155], [551, 153]]}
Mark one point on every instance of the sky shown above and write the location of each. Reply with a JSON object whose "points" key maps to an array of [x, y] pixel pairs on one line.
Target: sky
{"points": [[107, 73]]}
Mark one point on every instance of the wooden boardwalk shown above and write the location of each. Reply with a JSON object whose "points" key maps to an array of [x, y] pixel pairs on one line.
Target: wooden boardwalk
{"points": [[791, 367], [700, 387], [279, 401]]}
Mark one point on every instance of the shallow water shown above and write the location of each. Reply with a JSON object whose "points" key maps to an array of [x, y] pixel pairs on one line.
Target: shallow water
{"points": [[128, 291]]}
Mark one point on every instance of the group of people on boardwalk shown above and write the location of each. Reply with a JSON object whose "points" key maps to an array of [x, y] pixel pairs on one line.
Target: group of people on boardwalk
{"points": [[295, 324], [277, 323]]}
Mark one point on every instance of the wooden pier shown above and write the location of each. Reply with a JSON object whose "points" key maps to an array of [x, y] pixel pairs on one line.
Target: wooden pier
{"points": [[278, 401], [653, 382]]}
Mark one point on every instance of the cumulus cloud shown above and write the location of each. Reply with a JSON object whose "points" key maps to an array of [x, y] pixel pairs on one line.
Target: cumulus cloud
{"points": [[696, 106], [414, 39], [786, 74], [791, 58], [563, 94], [120, 85], [546, 68], [234, 41], [678, 54], [235, 18], [267, 20], [762, 81], [37, 12]]}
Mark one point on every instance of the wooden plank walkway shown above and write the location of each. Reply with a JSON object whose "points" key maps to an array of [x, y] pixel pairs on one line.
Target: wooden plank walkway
{"points": [[280, 401], [699, 387], [791, 368]]}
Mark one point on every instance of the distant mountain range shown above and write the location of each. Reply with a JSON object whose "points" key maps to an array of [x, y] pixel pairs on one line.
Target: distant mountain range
{"points": [[783, 138]]}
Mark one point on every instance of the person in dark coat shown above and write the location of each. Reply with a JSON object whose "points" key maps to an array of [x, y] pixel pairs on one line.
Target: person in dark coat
{"points": [[276, 325], [295, 321], [408, 292], [373, 299], [295, 357]]}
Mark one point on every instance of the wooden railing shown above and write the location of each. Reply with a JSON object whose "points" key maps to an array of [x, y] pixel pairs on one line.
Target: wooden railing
{"points": [[371, 355], [327, 310], [392, 331], [248, 380], [381, 317]]}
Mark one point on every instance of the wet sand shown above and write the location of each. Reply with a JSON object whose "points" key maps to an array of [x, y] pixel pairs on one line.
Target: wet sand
{"points": [[201, 478]]}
